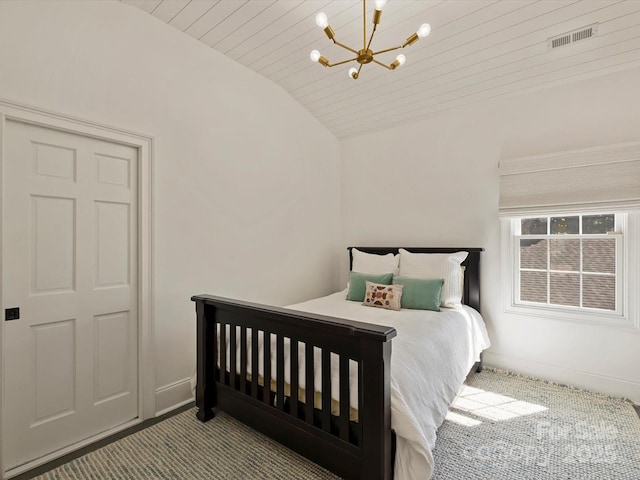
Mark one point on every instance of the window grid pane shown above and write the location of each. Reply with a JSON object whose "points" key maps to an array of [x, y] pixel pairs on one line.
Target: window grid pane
{"points": [[565, 225], [533, 286], [598, 224], [564, 289], [565, 254], [599, 291], [534, 226], [533, 254], [599, 255]]}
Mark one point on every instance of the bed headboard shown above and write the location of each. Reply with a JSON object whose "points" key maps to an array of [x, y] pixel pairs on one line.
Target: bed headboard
{"points": [[471, 290]]}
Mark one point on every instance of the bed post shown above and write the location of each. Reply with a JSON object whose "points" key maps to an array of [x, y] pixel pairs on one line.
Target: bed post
{"points": [[377, 458], [206, 354]]}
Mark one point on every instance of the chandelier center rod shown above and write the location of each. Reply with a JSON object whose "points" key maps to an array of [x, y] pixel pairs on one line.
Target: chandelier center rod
{"points": [[364, 24]]}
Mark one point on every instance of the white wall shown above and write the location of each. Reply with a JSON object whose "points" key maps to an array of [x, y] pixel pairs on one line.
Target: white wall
{"points": [[435, 183], [246, 182]]}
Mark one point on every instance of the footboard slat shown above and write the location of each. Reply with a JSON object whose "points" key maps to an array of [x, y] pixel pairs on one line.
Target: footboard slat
{"points": [[243, 359], [308, 383], [326, 390], [223, 353], [232, 354], [266, 377], [280, 373], [295, 376], [254, 362], [344, 398], [353, 450]]}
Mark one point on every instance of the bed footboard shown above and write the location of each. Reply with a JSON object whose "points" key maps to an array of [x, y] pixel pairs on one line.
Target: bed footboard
{"points": [[358, 448]]}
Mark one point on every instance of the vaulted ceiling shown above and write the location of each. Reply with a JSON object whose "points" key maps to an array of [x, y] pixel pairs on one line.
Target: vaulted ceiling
{"points": [[477, 50]]}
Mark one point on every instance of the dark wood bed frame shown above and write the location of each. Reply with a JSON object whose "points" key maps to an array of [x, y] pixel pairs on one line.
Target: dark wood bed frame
{"points": [[362, 449]]}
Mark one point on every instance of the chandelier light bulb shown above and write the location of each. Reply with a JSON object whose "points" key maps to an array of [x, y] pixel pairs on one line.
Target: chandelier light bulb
{"points": [[380, 4], [352, 72], [322, 21], [424, 30], [401, 59], [315, 55]]}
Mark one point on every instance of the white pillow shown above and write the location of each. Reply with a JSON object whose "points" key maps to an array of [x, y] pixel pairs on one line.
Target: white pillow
{"points": [[436, 265], [372, 263]]}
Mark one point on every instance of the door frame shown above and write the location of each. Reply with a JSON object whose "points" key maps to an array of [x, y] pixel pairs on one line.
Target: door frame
{"points": [[10, 110]]}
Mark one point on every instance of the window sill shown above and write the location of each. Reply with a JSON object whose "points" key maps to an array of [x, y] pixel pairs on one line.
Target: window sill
{"points": [[595, 318]]}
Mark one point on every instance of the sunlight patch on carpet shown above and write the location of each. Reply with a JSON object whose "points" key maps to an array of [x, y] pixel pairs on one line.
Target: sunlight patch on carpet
{"points": [[489, 405]]}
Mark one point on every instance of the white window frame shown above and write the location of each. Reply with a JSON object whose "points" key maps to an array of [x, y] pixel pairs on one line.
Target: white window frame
{"points": [[627, 266]]}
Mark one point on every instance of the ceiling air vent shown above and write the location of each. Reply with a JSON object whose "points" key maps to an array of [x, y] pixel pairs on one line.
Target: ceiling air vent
{"points": [[574, 36]]}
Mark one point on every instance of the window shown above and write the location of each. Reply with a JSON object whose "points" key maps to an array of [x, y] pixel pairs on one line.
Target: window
{"points": [[569, 261], [571, 235]]}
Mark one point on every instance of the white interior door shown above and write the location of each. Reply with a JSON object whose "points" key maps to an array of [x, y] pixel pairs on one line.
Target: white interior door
{"points": [[70, 266]]}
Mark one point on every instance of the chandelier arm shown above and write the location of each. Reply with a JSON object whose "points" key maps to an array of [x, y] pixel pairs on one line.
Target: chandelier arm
{"points": [[382, 64], [389, 50], [371, 38], [345, 47], [373, 32], [342, 62]]}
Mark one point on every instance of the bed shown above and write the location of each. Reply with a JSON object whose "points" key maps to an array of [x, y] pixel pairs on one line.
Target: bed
{"points": [[345, 422]]}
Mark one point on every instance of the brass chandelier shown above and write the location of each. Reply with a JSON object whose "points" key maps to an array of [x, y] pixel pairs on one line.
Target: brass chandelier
{"points": [[366, 55]]}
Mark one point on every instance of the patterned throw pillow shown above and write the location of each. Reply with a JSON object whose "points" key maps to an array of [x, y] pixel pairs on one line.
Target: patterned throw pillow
{"points": [[383, 296]]}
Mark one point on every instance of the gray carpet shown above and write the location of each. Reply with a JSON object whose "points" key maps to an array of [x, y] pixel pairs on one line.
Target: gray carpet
{"points": [[503, 427], [511, 427], [183, 448]]}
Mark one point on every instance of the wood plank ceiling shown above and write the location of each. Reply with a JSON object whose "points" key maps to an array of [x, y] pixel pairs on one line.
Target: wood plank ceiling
{"points": [[478, 49]]}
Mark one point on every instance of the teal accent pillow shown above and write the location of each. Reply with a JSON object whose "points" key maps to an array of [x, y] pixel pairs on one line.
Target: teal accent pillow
{"points": [[420, 293], [358, 283]]}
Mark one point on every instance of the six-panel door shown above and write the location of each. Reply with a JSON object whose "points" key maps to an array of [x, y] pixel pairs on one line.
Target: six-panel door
{"points": [[70, 265]]}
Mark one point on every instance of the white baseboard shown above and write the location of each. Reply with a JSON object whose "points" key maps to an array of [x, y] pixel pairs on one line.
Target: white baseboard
{"points": [[616, 387], [173, 396]]}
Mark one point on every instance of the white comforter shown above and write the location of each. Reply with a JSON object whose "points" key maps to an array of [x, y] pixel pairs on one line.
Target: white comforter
{"points": [[430, 359]]}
